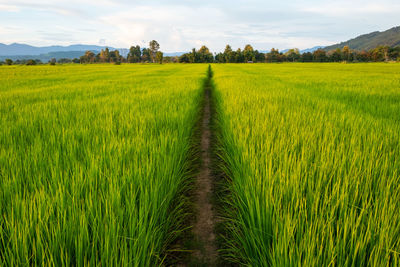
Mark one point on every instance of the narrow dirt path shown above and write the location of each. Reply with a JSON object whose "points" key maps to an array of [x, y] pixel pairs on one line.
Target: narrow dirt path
{"points": [[206, 254]]}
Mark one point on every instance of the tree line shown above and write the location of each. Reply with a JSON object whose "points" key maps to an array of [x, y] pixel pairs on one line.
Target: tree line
{"points": [[135, 55], [249, 55], [153, 54]]}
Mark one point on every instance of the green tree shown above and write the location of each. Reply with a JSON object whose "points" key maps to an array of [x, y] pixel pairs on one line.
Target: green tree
{"points": [[293, 55], [306, 57], [115, 57], [104, 55], [154, 46], [220, 58], [363, 56], [319, 56], [65, 60], [167, 59], [346, 53], [248, 53], [204, 55], [146, 55], [184, 58], [88, 57], [260, 57], [273, 56], [336, 56], [31, 62], [394, 53], [159, 57], [9, 62], [192, 56], [134, 54], [228, 54], [380, 53], [239, 57]]}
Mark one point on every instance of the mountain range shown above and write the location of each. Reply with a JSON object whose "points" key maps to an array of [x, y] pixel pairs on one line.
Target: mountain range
{"points": [[16, 51], [371, 40], [312, 49]]}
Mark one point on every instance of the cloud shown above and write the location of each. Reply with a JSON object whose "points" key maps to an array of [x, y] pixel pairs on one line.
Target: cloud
{"points": [[174, 26], [44, 7], [334, 9], [181, 25], [8, 8]]}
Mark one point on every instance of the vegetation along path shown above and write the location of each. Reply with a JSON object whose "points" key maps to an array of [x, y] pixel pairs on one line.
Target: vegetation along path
{"points": [[203, 229]]}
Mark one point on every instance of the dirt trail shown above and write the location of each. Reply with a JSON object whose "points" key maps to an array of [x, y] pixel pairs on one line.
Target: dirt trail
{"points": [[203, 229]]}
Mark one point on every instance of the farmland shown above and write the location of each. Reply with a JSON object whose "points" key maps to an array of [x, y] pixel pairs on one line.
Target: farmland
{"points": [[312, 156], [96, 162], [92, 159]]}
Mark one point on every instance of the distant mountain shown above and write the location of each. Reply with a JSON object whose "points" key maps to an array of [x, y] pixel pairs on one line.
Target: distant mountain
{"points": [[311, 49], [48, 56], [23, 49], [301, 51], [17, 51], [371, 40], [173, 54]]}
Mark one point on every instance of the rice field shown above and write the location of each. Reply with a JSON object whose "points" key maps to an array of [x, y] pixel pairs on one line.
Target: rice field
{"points": [[312, 158], [93, 160], [96, 162]]}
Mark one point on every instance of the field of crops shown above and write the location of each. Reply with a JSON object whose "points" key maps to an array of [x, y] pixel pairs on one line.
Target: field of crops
{"points": [[92, 159], [313, 154]]}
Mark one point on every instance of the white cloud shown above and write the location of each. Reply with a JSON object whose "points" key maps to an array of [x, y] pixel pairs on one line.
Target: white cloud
{"points": [[336, 9], [8, 8], [175, 27], [180, 25]]}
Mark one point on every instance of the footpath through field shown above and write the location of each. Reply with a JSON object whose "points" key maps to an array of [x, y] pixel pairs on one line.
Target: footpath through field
{"points": [[203, 229]]}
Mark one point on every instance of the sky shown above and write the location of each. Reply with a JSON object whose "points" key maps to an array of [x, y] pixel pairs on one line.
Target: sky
{"points": [[183, 25]]}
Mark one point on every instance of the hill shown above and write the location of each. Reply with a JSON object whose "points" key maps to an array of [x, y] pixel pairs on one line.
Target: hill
{"points": [[48, 56], [16, 49], [173, 54], [371, 40], [301, 51], [310, 50]]}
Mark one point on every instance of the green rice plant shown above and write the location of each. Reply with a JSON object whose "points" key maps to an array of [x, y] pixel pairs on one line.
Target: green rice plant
{"points": [[93, 161], [312, 156]]}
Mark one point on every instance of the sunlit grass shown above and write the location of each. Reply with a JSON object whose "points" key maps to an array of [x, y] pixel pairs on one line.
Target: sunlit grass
{"points": [[313, 154], [93, 160]]}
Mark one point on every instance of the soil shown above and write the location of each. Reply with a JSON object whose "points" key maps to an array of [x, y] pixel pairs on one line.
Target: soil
{"points": [[206, 253]]}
